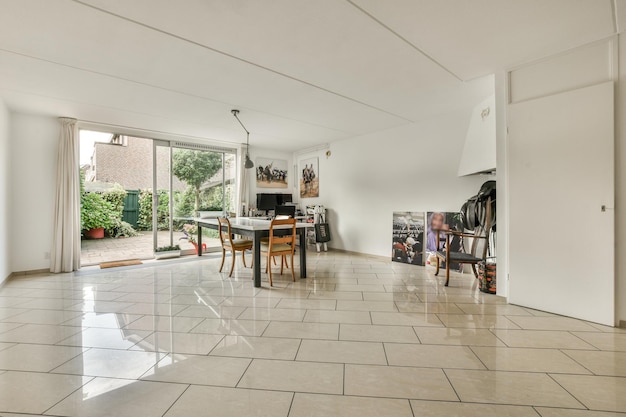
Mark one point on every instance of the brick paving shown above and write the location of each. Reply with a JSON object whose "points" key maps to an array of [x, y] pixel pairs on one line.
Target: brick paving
{"points": [[96, 251]]}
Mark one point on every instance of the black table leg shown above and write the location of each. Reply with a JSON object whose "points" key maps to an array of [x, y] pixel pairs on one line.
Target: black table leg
{"points": [[303, 253], [256, 272], [200, 240]]}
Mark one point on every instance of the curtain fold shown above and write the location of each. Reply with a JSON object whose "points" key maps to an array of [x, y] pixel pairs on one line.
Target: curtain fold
{"points": [[65, 253]]}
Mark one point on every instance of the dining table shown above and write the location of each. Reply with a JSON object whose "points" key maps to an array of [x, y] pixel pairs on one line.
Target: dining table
{"points": [[256, 229]]}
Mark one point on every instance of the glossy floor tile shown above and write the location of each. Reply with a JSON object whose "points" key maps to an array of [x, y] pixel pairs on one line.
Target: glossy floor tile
{"points": [[432, 356], [360, 337], [37, 358], [328, 331], [513, 388], [456, 409], [34, 392], [229, 402], [398, 382], [457, 336], [199, 370], [257, 347], [316, 405], [342, 352], [119, 397], [374, 333], [325, 378], [529, 360], [111, 363], [596, 392], [554, 339]]}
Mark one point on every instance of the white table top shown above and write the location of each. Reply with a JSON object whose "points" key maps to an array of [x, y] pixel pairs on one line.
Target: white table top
{"points": [[250, 223]]}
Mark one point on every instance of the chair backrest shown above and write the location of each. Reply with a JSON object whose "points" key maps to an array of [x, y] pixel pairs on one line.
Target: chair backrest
{"points": [[480, 243], [282, 235], [285, 210], [225, 231]]}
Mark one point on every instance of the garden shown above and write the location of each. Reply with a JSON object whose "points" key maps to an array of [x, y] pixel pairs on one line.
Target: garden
{"points": [[103, 214]]}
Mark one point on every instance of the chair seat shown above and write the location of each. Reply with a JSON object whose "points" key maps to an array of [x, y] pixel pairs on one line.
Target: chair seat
{"points": [[459, 257], [240, 243], [281, 247]]}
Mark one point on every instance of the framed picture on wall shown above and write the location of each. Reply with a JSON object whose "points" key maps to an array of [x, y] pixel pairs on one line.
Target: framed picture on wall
{"points": [[309, 178], [407, 244], [271, 173]]}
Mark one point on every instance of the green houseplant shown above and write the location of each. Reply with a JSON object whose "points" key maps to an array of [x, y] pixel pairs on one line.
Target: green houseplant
{"points": [[164, 252], [96, 214]]}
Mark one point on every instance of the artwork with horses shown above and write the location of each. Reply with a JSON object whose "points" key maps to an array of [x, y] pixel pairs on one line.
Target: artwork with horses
{"points": [[408, 238], [271, 173], [309, 178]]}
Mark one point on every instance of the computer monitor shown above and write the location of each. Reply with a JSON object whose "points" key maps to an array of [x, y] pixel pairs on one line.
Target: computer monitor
{"points": [[266, 201], [285, 211], [285, 198]]}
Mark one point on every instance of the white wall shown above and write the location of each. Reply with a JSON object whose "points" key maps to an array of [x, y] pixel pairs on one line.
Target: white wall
{"points": [[34, 141], [502, 175], [5, 193], [620, 180], [588, 65], [255, 153], [410, 168]]}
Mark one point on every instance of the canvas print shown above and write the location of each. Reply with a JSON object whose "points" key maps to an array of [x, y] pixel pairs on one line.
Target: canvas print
{"points": [[408, 238], [271, 173], [309, 178], [443, 222]]}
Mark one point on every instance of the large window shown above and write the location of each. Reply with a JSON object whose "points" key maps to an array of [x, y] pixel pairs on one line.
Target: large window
{"points": [[140, 193]]}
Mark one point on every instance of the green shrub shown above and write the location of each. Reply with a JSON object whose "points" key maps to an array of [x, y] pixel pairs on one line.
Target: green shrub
{"points": [[183, 203], [116, 196], [167, 248], [96, 212], [145, 210], [121, 228]]}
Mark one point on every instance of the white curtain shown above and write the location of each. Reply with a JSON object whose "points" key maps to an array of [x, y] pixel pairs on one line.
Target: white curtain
{"points": [[65, 254]]}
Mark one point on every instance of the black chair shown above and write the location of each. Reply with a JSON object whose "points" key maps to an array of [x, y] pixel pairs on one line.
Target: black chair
{"points": [[285, 210], [477, 254]]}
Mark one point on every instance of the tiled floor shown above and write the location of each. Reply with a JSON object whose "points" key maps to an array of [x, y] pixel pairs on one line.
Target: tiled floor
{"points": [[359, 337]]}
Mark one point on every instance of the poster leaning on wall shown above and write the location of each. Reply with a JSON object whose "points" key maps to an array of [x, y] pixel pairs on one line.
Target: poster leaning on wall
{"points": [[408, 237], [443, 222]]}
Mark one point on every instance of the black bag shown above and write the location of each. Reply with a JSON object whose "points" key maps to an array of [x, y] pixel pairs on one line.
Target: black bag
{"points": [[474, 210], [322, 233]]}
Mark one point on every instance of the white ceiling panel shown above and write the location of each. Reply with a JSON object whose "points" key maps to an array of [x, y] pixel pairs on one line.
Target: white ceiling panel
{"points": [[326, 43], [107, 45], [478, 37], [302, 72], [20, 78]]}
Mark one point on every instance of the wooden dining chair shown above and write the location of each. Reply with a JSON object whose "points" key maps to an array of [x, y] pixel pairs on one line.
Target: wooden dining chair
{"points": [[479, 249], [232, 245], [281, 242], [265, 240]]}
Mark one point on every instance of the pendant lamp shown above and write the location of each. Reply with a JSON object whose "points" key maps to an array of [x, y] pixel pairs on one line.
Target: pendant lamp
{"points": [[248, 164]]}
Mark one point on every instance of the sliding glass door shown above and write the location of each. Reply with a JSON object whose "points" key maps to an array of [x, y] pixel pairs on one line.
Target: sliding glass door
{"points": [[190, 181]]}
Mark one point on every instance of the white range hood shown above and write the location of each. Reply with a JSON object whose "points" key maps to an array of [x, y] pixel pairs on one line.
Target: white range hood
{"points": [[479, 151]]}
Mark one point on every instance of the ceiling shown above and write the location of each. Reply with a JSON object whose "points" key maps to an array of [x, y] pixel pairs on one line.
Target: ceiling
{"points": [[301, 72]]}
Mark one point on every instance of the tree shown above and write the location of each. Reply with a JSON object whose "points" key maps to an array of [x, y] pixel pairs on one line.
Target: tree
{"points": [[195, 168]]}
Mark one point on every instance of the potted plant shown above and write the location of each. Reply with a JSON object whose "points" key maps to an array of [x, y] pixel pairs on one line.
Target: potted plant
{"points": [[96, 214], [190, 230], [210, 212], [165, 252]]}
